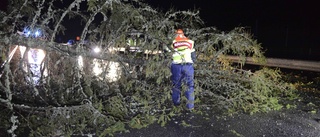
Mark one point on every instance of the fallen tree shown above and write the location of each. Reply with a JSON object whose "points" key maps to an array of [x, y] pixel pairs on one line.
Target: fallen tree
{"points": [[70, 98]]}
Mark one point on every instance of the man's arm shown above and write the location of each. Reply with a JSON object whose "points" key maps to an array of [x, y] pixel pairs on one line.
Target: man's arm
{"points": [[193, 56]]}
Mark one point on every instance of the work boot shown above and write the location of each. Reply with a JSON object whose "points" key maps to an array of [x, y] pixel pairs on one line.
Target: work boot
{"points": [[189, 117], [188, 113]]}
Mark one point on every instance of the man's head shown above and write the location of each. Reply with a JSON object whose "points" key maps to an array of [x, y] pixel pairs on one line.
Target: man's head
{"points": [[179, 31], [180, 35]]}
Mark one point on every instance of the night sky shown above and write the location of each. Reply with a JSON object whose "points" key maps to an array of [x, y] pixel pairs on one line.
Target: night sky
{"points": [[3, 5], [285, 28]]}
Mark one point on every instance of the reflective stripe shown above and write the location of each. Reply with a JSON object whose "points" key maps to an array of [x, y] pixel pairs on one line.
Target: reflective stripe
{"points": [[182, 44]]}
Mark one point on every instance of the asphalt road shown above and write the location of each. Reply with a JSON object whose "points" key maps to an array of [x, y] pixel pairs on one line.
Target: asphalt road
{"points": [[303, 121]]}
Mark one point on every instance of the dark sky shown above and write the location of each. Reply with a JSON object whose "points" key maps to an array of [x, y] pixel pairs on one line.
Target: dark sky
{"points": [[227, 14], [3, 5], [285, 28]]}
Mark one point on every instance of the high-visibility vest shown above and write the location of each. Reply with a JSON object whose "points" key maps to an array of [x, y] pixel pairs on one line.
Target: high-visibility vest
{"points": [[132, 42], [183, 47]]}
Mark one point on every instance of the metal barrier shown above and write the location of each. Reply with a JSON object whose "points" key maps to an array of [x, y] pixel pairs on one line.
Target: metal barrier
{"points": [[282, 63]]}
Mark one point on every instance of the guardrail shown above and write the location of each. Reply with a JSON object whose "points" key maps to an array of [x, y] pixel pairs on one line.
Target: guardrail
{"points": [[282, 63]]}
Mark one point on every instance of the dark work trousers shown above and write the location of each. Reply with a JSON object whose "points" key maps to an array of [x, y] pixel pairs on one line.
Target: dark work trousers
{"points": [[182, 73]]}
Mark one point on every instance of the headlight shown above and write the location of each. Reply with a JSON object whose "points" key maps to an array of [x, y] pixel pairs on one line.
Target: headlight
{"points": [[37, 33], [28, 33], [96, 49]]}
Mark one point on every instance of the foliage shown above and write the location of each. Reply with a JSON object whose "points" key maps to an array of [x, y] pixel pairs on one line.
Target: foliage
{"points": [[72, 98]]}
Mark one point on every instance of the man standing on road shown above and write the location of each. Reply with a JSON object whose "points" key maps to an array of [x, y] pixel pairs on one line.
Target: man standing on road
{"points": [[182, 68]]}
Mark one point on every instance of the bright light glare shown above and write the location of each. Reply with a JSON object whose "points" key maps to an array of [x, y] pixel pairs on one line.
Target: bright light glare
{"points": [[22, 50], [96, 49], [37, 33], [36, 56], [28, 33], [80, 62], [35, 59], [113, 69], [113, 73]]}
